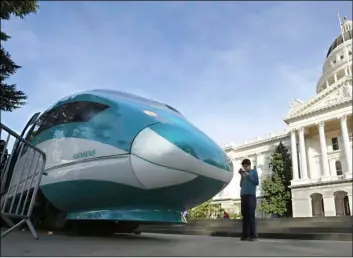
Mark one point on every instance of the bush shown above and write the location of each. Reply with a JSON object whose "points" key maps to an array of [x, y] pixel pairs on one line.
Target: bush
{"points": [[206, 210], [235, 216]]}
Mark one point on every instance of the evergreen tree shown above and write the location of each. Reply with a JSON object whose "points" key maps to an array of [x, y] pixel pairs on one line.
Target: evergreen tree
{"points": [[277, 194], [10, 97]]}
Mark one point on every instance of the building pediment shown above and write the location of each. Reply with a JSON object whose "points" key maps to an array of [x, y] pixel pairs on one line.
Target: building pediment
{"points": [[327, 99]]}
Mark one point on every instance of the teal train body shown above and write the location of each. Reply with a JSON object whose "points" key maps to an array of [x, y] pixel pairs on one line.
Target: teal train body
{"points": [[118, 156]]}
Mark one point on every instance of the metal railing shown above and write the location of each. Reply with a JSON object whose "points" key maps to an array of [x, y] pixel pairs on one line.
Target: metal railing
{"points": [[21, 174]]}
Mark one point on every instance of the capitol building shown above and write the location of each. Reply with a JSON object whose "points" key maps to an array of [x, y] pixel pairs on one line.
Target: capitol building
{"points": [[319, 138]]}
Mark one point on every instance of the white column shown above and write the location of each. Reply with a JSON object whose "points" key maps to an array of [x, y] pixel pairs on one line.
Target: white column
{"points": [[327, 84], [293, 138], [259, 166], [323, 146], [259, 163], [346, 73], [345, 137], [350, 203], [335, 77], [303, 164], [329, 206]]}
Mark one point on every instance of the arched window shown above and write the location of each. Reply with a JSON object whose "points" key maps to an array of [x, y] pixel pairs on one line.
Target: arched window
{"points": [[317, 205], [338, 168], [322, 206], [347, 210], [342, 203]]}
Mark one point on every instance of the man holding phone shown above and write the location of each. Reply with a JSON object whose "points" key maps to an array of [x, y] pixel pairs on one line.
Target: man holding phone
{"points": [[248, 182]]}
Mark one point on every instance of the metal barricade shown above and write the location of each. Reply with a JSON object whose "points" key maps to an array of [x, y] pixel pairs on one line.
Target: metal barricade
{"points": [[21, 174]]}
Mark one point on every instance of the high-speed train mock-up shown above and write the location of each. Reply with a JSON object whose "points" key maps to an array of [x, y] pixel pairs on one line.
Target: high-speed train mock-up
{"points": [[118, 157]]}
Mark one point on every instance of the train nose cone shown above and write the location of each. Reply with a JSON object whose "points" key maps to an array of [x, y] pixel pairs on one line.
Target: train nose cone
{"points": [[166, 154]]}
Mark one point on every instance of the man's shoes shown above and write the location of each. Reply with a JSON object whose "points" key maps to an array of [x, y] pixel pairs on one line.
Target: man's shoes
{"points": [[252, 239]]}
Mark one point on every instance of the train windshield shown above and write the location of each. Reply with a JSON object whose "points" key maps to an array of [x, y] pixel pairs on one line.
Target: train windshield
{"points": [[136, 98], [78, 111]]}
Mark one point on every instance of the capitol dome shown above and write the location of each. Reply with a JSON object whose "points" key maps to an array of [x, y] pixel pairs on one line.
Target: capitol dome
{"points": [[338, 64], [347, 32]]}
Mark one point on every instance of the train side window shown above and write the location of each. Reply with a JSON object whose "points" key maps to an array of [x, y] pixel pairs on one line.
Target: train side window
{"points": [[79, 111]]}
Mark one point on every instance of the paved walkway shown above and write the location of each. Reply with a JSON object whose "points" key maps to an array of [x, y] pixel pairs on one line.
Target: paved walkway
{"points": [[23, 244]]}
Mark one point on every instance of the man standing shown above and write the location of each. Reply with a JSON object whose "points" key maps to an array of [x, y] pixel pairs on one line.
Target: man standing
{"points": [[248, 182]]}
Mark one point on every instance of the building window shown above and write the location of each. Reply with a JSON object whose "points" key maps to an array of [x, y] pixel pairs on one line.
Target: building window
{"points": [[335, 145], [338, 168], [341, 57], [350, 53]]}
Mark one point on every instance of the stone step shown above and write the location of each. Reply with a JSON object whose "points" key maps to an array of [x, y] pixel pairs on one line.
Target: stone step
{"points": [[261, 230], [269, 235]]}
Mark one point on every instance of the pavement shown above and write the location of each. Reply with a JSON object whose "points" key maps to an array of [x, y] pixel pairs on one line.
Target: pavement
{"points": [[20, 243]]}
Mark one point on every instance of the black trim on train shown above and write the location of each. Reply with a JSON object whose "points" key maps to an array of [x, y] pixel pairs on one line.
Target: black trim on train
{"points": [[78, 111], [171, 108]]}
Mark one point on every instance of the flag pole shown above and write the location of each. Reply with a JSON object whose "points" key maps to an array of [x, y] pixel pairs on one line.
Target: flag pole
{"points": [[344, 44]]}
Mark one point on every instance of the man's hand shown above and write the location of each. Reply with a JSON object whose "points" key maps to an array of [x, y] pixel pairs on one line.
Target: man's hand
{"points": [[241, 171]]}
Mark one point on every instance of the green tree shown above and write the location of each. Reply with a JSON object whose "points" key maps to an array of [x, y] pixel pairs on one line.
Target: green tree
{"points": [[10, 97], [277, 194]]}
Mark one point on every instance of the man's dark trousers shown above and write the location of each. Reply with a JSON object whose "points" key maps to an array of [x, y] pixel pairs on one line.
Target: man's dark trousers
{"points": [[248, 208]]}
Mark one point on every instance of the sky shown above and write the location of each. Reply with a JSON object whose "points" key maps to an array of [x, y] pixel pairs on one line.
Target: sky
{"points": [[231, 68]]}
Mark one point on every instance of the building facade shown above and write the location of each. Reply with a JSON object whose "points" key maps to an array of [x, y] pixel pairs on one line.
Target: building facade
{"points": [[319, 138]]}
